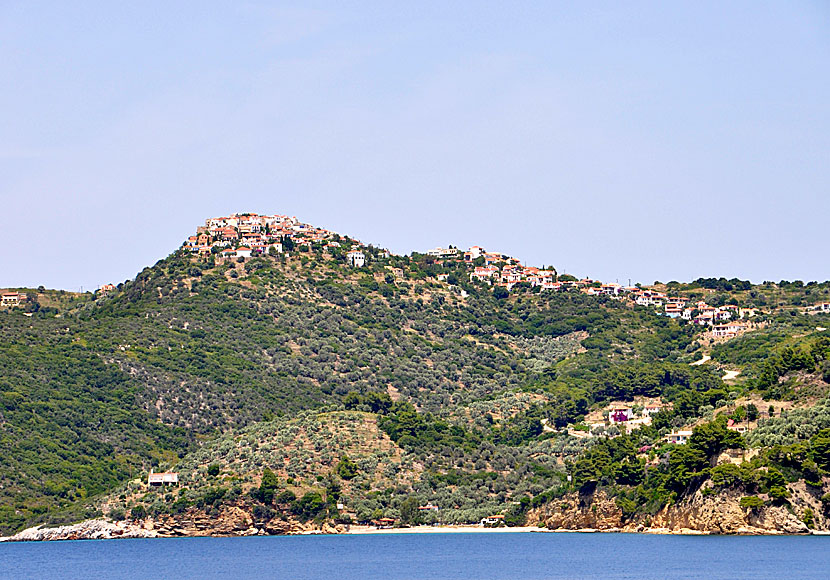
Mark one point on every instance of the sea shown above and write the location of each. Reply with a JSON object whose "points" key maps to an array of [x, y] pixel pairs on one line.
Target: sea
{"points": [[458, 556]]}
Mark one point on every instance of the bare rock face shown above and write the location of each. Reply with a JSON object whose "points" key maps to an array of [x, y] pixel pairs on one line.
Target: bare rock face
{"points": [[232, 520], [574, 512], [88, 530], [707, 513]]}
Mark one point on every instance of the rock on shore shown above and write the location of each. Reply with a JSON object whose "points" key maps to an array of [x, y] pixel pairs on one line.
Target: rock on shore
{"points": [[88, 530]]}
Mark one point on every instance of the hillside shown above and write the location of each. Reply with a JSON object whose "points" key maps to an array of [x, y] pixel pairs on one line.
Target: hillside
{"points": [[351, 376]]}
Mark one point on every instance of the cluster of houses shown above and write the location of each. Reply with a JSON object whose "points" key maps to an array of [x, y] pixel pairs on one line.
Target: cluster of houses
{"points": [[628, 417], [502, 270], [248, 234]]}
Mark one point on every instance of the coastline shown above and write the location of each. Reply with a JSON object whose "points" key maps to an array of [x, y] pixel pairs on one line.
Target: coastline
{"points": [[451, 529], [102, 530]]}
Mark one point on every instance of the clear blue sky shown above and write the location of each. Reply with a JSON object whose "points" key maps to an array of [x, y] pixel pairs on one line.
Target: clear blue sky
{"points": [[651, 141]]}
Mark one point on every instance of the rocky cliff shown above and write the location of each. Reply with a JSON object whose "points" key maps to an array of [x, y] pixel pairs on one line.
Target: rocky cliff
{"points": [[701, 512], [230, 520]]}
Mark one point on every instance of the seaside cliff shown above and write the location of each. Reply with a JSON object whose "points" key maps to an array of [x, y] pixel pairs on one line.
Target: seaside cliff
{"points": [[699, 513]]}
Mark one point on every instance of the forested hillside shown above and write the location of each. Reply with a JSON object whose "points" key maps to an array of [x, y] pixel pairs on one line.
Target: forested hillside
{"points": [[304, 378]]}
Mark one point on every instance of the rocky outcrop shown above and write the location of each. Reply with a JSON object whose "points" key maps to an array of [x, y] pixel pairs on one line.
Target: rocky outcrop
{"points": [[88, 530], [576, 512], [718, 513], [230, 520]]}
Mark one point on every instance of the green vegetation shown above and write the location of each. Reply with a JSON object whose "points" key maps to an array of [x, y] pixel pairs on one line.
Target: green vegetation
{"points": [[402, 389]]}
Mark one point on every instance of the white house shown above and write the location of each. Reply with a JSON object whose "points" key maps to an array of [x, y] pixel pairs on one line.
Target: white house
{"points": [[11, 298], [678, 437], [163, 478], [356, 258], [473, 253], [727, 330], [243, 252], [443, 252]]}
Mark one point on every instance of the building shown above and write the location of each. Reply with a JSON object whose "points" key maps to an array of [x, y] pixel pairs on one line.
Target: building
{"points": [[620, 414], [443, 252], [356, 258], [492, 520], [10, 299], [428, 508], [163, 478], [727, 330], [485, 274], [473, 253], [678, 437]]}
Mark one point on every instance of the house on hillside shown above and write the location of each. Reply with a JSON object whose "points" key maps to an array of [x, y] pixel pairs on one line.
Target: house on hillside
{"points": [[738, 427], [473, 253], [10, 299], [443, 252], [727, 330], [162, 478], [620, 414], [397, 273], [678, 437], [356, 258], [652, 409], [484, 274]]}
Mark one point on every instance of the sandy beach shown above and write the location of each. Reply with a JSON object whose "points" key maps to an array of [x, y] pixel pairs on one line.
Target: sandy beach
{"points": [[443, 530]]}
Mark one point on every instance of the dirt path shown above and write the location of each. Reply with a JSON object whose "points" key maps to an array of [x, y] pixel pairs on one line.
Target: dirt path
{"points": [[706, 358]]}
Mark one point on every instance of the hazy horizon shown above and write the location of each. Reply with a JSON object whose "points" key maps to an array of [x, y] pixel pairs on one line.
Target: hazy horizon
{"points": [[646, 142]]}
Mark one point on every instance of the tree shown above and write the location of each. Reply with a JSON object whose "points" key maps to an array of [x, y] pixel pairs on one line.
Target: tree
{"points": [[500, 293], [346, 468], [820, 448], [410, 514], [751, 502], [267, 487], [712, 438]]}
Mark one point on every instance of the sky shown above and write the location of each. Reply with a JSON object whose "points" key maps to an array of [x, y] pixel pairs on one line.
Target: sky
{"points": [[640, 140]]}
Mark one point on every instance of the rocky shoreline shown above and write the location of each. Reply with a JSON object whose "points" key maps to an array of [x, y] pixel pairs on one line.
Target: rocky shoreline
{"points": [[699, 514], [105, 530], [719, 513]]}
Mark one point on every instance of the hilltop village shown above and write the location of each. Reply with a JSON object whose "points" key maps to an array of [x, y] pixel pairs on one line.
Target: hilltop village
{"points": [[248, 235]]}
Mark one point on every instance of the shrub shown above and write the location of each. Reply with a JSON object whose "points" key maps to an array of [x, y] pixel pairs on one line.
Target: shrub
{"points": [[752, 502]]}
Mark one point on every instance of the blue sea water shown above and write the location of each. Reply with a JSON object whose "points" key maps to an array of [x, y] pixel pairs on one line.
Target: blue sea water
{"points": [[423, 556]]}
